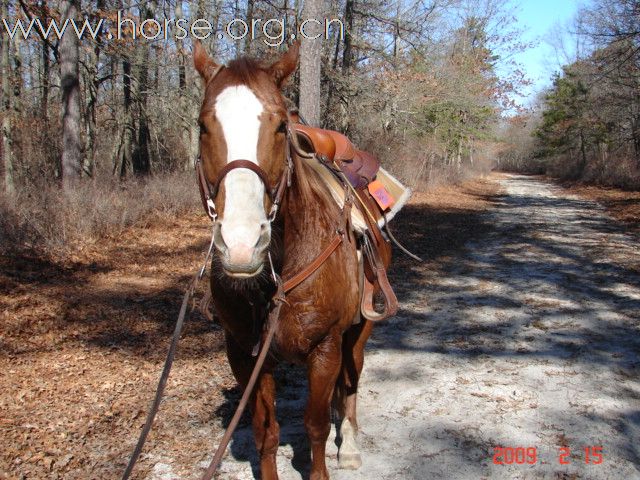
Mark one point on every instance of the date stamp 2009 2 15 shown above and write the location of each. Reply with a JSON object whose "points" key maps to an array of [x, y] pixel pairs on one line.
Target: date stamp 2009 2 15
{"points": [[591, 455]]}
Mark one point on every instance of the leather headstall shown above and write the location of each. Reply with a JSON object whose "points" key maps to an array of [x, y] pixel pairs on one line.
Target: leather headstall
{"points": [[209, 191]]}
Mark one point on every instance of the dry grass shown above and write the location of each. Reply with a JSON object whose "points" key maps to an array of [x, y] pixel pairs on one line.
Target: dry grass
{"points": [[619, 172], [45, 218], [472, 195], [421, 163]]}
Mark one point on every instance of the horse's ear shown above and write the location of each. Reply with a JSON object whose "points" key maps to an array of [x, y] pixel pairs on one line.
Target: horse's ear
{"points": [[202, 61], [286, 64]]}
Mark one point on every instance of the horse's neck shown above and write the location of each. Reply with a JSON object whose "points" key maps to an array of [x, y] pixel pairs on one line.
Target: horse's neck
{"points": [[310, 222]]}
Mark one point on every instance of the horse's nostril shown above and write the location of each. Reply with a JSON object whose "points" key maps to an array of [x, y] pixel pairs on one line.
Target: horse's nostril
{"points": [[218, 241], [265, 236]]}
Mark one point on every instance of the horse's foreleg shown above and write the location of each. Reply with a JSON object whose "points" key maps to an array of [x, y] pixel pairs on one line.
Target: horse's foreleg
{"points": [[265, 426], [266, 430], [323, 368], [345, 399]]}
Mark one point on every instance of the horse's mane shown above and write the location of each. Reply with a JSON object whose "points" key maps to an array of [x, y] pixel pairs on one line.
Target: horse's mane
{"points": [[309, 193]]}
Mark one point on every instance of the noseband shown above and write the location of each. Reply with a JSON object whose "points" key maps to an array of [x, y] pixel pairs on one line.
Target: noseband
{"points": [[209, 192]]}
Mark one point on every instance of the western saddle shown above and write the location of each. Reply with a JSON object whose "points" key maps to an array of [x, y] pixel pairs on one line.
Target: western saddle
{"points": [[356, 169], [358, 166]]}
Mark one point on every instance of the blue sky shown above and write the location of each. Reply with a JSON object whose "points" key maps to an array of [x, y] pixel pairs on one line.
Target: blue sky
{"points": [[538, 18]]}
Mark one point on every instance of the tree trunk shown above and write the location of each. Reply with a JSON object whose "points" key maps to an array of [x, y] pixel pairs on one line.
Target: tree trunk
{"points": [[183, 97], [6, 147], [336, 52], [44, 82], [122, 165], [236, 14], [201, 8], [182, 78], [249, 18], [70, 85], [582, 164], [347, 54], [92, 86], [296, 15], [17, 80], [635, 127], [141, 155], [311, 62], [91, 124], [396, 35]]}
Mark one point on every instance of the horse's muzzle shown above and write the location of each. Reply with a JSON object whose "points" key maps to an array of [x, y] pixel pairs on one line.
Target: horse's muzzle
{"points": [[244, 257]]}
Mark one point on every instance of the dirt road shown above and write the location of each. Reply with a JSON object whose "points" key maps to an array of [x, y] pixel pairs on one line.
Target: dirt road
{"points": [[521, 330], [530, 337]]}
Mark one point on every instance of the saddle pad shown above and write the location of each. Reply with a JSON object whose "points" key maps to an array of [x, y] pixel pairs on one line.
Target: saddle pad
{"points": [[393, 187]]}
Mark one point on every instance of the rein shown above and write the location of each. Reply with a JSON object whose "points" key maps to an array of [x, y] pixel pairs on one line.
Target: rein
{"points": [[208, 193], [166, 369]]}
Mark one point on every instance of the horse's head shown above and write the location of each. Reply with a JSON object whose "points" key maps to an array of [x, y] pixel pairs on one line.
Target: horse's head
{"points": [[243, 117]]}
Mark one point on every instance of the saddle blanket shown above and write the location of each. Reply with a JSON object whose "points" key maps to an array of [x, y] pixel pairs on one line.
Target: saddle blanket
{"points": [[387, 190]]}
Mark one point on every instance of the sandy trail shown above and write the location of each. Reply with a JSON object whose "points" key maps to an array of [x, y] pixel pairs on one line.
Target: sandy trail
{"points": [[529, 338], [524, 336]]}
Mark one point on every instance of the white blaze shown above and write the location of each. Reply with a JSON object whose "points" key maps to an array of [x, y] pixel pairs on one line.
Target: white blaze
{"points": [[237, 110]]}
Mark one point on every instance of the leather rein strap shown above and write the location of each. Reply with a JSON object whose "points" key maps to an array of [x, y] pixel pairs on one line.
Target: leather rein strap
{"points": [[166, 369], [277, 301]]}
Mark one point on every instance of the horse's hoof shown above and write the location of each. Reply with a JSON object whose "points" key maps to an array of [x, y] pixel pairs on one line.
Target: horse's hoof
{"points": [[350, 461]]}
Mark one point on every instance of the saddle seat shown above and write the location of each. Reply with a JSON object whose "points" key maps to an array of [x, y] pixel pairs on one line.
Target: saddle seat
{"points": [[359, 167]]}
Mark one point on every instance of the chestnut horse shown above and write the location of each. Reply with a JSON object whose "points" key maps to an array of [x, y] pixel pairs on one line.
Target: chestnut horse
{"points": [[244, 117]]}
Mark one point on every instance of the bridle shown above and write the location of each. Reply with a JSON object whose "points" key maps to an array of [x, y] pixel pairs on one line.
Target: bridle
{"points": [[209, 191]]}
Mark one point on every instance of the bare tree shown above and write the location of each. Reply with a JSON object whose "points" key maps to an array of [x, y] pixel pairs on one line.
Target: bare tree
{"points": [[142, 153], [347, 52], [92, 84], [311, 61], [184, 120], [70, 83], [6, 147]]}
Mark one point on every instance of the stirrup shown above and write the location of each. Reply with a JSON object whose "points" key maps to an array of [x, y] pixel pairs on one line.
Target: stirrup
{"points": [[390, 301]]}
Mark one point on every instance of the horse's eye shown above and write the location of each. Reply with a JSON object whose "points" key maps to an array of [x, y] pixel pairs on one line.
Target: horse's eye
{"points": [[283, 127], [203, 128]]}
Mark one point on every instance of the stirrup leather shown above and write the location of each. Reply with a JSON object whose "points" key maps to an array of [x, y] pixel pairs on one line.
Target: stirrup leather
{"points": [[390, 301]]}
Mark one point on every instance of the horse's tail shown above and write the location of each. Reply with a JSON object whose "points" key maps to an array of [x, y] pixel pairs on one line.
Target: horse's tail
{"points": [[340, 394], [353, 343]]}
